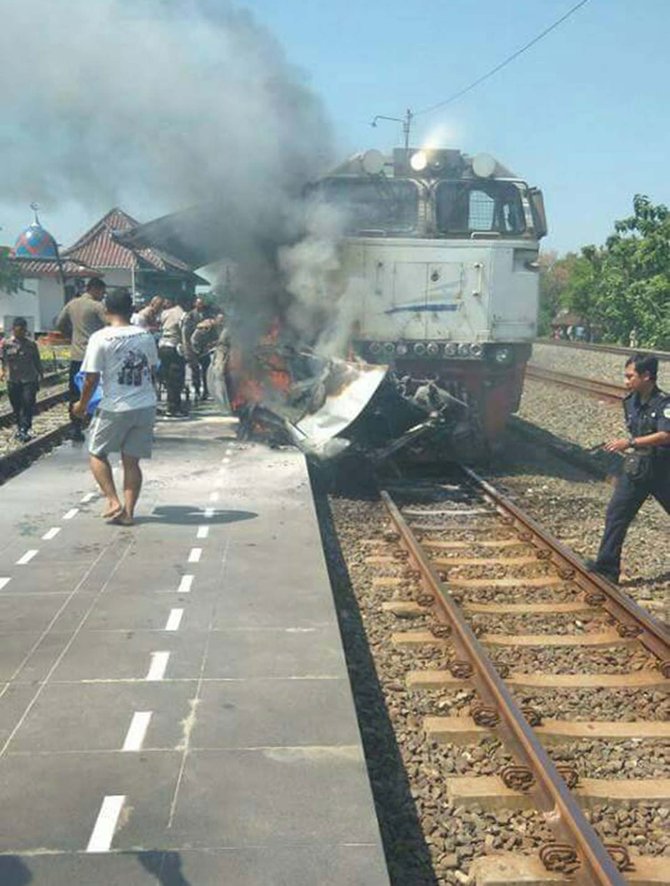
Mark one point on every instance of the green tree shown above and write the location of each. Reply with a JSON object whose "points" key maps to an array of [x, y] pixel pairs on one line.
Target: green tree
{"points": [[562, 281], [625, 284], [10, 275]]}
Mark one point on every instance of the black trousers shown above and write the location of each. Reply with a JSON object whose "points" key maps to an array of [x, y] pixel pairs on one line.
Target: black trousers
{"points": [[22, 395], [173, 375], [204, 366], [627, 499], [74, 393]]}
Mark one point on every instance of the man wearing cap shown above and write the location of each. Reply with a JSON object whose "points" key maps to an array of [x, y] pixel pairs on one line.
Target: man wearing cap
{"points": [[79, 319], [21, 365]]}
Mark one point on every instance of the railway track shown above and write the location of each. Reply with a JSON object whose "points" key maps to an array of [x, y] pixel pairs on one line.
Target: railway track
{"points": [[601, 389], [51, 426], [51, 398], [479, 576], [663, 356]]}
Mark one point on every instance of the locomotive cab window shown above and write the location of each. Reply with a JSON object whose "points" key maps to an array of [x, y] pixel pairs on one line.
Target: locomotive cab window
{"points": [[381, 206], [467, 207]]}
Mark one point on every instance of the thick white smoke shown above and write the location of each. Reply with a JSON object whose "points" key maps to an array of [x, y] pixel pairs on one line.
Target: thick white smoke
{"points": [[156, 103], [327, 303]]}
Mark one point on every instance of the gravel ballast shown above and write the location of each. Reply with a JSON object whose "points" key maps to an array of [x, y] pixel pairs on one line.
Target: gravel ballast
{"points": [[590, 364], [454, 834]]}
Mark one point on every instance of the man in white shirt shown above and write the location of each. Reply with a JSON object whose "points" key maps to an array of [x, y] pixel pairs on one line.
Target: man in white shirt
{"points": [[123, 358]]}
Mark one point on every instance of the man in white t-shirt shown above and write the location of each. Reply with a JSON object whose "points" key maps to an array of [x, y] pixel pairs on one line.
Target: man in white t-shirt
{"points": [[123, 358]]}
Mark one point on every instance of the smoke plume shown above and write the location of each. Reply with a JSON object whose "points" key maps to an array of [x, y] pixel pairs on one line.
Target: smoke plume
{"points": [[151, 103], [157, 105]]}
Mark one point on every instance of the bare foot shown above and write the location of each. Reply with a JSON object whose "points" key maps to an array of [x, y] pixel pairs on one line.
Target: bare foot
{"points": [[112, 510], [121, 519]]}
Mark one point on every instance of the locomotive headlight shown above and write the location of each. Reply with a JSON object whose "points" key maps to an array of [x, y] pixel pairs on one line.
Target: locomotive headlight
{"points": [[451, 349], [433, 349], [464, 350], [476, 350], [389, 347], [503, 356], [418, 161], [375, 347], [420, 348]]}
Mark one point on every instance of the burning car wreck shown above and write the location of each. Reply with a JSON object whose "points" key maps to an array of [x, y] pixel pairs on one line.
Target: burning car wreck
{"points": [[332, 408]]}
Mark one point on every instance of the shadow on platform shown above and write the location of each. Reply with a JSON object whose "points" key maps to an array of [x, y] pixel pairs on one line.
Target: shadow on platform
{"points": [[13, 872], [188, 515], [165, 866]]}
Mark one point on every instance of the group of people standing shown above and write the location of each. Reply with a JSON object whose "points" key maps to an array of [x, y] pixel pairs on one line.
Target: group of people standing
{"points": [[183, 331]]}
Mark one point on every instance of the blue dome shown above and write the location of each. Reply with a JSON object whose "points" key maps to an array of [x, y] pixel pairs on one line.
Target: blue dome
{"points": [[35, 242]]}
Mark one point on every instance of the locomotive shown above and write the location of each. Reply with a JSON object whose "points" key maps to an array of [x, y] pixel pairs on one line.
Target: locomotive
{"points": [[441, 250]]}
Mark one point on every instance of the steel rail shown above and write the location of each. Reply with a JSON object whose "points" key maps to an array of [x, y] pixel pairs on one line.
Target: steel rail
{"points": [[550, 792], [11, 463], [42, 405], [47, 379], [634, 620], [594, 387], [604, 348]]}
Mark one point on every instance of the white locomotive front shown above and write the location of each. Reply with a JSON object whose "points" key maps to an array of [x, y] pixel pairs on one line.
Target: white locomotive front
{"points": [[441, 252]]}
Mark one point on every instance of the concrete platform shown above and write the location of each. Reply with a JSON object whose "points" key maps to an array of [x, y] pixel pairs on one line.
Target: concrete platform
{"points": [[174, 701]]}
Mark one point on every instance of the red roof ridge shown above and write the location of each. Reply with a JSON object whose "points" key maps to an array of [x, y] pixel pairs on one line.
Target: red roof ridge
{"points": [[103, 225], [99, 248]]}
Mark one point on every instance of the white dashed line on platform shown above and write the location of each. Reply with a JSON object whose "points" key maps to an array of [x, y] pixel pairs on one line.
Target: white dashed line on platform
{"points": [[185, 584], [71, 513], [3, 582], [203, 531], [52, 533], [158, 665], [105, 825], [174, 620], [89, 497], [195, 555], [137, 730], [27, 557]]}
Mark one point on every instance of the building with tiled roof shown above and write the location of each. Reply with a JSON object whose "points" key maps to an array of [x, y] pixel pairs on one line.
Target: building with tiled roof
{"points": [[51, 277]]}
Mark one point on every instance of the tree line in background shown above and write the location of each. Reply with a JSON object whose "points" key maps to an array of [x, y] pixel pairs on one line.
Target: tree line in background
{"points": [[620, 291]]}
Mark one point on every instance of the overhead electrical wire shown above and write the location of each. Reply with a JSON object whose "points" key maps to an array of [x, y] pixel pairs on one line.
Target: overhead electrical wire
{"points": [[504, 63]]}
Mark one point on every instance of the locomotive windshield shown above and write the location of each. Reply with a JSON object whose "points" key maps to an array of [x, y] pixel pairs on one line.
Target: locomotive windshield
{"points": [[381, 206], [463, 208]]}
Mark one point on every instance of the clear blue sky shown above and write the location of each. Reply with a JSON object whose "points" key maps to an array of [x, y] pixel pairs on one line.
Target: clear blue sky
{"points": [[584, 114]]}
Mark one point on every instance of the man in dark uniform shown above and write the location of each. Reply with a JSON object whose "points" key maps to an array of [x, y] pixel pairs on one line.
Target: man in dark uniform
{"points": [[646, 462], [20, 362]]}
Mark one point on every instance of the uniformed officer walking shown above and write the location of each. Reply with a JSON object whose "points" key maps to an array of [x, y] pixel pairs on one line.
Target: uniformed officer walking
{"points": [[20, 362], [646, 460]]}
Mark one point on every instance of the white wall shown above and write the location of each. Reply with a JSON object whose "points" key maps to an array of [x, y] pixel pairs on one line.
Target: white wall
{"points": [[116, 277], [40, 304]]}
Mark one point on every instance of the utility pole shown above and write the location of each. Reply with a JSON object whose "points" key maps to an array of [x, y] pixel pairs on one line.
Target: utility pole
{"points": [[406, 125]]}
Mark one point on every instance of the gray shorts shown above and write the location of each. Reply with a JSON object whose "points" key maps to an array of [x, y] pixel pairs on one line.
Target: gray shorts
{"points": [[129, 432]]}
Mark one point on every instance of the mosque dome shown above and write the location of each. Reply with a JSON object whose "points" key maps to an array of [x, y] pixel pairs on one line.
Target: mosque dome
{"points": [[35, 242]]}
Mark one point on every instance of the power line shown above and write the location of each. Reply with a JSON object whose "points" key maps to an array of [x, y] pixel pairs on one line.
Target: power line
{"points": [[504, 63]]}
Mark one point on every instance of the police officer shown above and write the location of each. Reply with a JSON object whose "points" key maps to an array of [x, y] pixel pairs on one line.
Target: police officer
{"points": [[646, 460]]}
